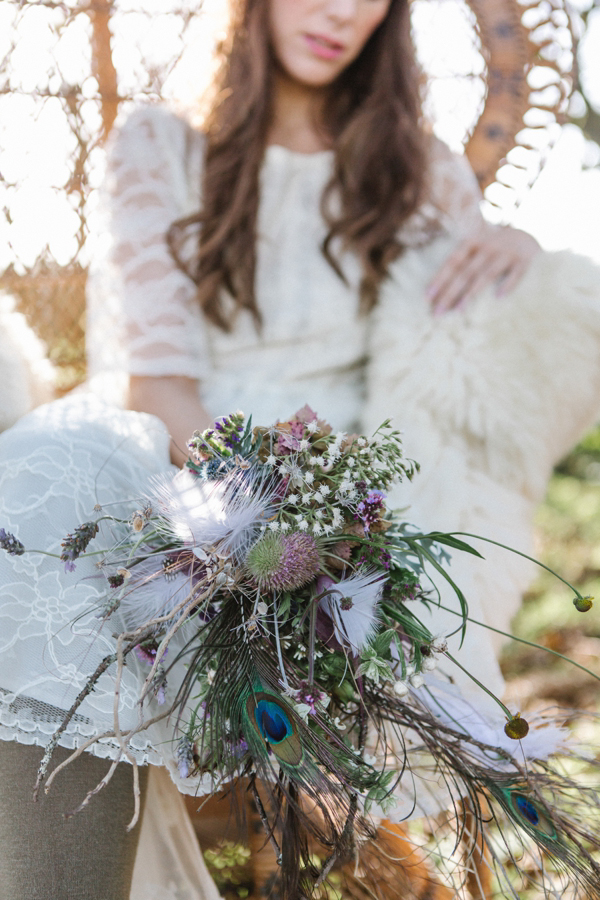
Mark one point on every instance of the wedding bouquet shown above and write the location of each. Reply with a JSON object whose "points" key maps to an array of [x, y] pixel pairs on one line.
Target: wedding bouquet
{"points": [[273, 569]]}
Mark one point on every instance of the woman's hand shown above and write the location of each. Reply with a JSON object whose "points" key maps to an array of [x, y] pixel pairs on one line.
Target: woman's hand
{"points": [[495, 254], [174, 399]]}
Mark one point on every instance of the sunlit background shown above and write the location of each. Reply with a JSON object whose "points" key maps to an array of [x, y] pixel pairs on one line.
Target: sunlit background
{"points": [[161, 49]]}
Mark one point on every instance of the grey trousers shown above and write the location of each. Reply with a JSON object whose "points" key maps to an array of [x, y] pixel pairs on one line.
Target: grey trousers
{"points": [[46, 857]]}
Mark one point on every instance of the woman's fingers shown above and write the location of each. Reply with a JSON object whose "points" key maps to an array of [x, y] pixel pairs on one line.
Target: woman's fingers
{"points": [[496, 254], [467, 269]]}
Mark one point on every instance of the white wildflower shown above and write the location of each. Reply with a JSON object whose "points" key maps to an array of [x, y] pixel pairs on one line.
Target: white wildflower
{"points": [[317, 529], [318, 496], [306, 497], [417, 680], [309, 478], [429, 664], [293, 499], [311, 427], [304, 444], [401, 689], [325, 489], [350, 462], [285, 526], [303, 525], [318, 514], [338, 724], [271, 460], [273, 526]]}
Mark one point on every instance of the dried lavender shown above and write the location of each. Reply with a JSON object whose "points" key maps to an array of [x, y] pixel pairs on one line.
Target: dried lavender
{"points": [[10, 543], [75, 544]]}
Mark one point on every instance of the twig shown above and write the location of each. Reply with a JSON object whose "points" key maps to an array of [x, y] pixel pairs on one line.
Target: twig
{"points": [[101, 784], [52, 744]]}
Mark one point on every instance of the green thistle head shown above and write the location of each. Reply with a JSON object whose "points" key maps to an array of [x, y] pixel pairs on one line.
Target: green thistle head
{"points": [[283, 561]]}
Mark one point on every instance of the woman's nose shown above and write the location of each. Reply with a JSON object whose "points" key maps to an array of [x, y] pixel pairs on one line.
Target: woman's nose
{"points": [[341, 10]]}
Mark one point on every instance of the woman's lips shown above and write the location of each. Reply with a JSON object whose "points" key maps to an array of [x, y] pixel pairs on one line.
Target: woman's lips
{"points": [[324, 47]]}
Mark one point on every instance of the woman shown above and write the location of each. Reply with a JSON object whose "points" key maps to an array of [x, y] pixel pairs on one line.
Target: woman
{"points": [[322, 201]]}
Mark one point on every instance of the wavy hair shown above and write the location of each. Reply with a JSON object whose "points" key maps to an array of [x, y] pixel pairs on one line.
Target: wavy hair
{"points": [[372, 117]]}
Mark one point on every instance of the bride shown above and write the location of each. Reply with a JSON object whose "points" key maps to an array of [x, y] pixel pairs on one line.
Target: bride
{"points": [[314, 244]]}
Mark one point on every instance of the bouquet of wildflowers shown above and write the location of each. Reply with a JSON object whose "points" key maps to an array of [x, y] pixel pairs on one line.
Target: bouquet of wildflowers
{"points": [[273, 568]]}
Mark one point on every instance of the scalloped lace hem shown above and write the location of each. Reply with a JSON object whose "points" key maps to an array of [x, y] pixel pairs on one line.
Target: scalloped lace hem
{"points": [[28, 731]]}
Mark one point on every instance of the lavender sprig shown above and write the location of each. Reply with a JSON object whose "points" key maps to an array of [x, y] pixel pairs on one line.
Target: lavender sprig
{"points": [[75, 544], [11, 544]]}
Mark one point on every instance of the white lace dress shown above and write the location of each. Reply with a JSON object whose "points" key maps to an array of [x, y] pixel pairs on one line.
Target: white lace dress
{"points": [[489, 398]]}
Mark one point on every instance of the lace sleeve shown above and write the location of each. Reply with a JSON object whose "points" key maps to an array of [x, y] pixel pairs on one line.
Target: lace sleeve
{"points": [[143, 318], [453, 190]]}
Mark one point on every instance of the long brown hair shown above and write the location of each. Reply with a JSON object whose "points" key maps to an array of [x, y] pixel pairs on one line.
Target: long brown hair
{"points": [[373, 118]]}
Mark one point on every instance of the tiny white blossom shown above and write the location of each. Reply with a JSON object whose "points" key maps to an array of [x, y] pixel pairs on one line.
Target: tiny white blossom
{"points": [[350, 462], [271, 460], [304, 444], [369, 758], [313, 460], [439, 645], [401, 689], [311, 427], [309, 478], [318, 514], [325, 489], [337, 517], [338, 724], [317, 529], [303, 525], [327, 529], [293, 499], [362, 442], [318, 496], [410, 670], [429, 664], [285, 526], [273, 526], [300, 652], [306, 497], [417, 680]]}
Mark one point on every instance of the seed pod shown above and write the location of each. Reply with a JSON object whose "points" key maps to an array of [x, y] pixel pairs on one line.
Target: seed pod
{"points": [[516, 728]]}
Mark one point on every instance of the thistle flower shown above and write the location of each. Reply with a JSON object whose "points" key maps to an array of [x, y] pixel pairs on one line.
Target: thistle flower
{"points": [[225, 515], [283, 561], [351, 604]]}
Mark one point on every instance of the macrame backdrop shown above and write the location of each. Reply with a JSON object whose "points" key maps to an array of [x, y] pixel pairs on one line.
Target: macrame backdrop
{"points": [[498, 86]]}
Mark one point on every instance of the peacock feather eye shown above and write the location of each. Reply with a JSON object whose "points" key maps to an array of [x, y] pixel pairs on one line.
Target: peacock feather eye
{"points": [[531, 815], [526, 808], [273, 721]]}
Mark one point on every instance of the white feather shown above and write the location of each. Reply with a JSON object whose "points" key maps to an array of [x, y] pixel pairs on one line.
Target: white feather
{"points": [[354, 627]]}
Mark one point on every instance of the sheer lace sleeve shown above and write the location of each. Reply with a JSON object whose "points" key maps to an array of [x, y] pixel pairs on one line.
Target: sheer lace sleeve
{"points": [[454, 190], [143, 317]]}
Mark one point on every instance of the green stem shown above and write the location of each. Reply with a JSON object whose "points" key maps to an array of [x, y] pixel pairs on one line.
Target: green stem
{"points": [[520, 640], [512, 550], [505, 709]]}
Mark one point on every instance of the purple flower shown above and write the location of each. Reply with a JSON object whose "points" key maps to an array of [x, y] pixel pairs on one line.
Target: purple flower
{"points": [[10, 543], [75, 544], [283, 562], [309, 695], [369, 509]]}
